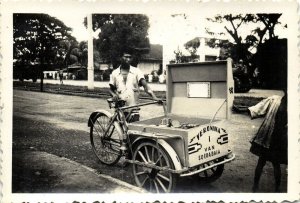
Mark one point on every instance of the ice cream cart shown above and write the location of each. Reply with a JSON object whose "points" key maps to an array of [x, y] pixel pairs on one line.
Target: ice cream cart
{"points": [[190, 139]]}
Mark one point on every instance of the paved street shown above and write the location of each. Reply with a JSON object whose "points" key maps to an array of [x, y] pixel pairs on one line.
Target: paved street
{"points": [[57, 125]]}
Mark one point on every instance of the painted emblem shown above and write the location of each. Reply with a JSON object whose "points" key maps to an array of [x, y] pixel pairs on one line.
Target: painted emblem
{"points": [[194, 148], [223, 139]]}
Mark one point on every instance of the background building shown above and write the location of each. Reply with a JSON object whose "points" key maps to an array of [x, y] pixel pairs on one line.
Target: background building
{"points": [[151, 61]]}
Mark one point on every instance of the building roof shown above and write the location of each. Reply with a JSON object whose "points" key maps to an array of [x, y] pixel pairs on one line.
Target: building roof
{"points": [[198, 40]]}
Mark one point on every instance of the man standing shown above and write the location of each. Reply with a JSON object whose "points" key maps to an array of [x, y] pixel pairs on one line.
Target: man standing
{"points": [[61, 75], [126, 80]]}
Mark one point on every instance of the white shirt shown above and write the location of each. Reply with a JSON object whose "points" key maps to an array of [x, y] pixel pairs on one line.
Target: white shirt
{"points": [[127, 84]]}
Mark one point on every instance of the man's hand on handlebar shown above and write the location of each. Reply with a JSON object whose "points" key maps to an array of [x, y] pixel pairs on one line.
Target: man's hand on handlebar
{"points": [[160, 101], [115, 97]]}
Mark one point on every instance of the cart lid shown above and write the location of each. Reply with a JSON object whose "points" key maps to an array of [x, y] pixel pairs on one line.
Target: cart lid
{"points": [[200, 89]]}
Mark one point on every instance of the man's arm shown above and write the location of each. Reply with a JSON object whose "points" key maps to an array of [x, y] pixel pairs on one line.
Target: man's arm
{"points": [[147, 88], [113, 92], [112, 87]]}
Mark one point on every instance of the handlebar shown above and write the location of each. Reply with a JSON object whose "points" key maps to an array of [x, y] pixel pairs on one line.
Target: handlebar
{"points": [[121, 104], [138, 105]]}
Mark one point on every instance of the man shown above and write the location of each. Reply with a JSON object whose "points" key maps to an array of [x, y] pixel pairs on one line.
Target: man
{"points": [[126, 80], [61, 76]]}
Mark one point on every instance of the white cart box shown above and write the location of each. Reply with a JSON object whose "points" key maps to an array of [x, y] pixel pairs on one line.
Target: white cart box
{"points": [[199, 95]]}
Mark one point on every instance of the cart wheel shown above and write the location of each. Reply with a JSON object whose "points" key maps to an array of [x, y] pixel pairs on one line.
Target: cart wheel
{"points": [[153, 180], [211, 174], [106, 147]]}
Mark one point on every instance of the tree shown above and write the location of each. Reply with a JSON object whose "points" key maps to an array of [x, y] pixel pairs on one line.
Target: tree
{"points": [[119, 32], [239, 49], [36, 39], [76, 53], [38, 36], [270, 21], [260, 48]]}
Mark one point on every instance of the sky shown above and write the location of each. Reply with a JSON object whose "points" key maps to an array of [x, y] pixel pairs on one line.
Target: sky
{"points": [[156, 30], [172, 32], [182, 30]]}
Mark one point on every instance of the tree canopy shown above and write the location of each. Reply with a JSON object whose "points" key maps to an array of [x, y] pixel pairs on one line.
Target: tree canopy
{"points": [[260, 48], [38, 39], [242, 46], [75, 53], [119, 32]]}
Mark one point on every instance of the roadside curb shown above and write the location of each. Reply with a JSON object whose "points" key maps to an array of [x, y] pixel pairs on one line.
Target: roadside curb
{"points": [[107, 177], [53, 173]]}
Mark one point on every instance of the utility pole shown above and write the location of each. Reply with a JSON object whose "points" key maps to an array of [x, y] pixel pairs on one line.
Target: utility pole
{"points": [[42, 56], [90, 53]]}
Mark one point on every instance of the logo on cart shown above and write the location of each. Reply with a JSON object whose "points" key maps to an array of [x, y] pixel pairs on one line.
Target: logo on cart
{"points": [[208, 129], [194, 148], [223, 139]]}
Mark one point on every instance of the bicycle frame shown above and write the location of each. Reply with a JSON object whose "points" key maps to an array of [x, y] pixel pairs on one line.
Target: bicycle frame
{"points": [[122, 123], [122, 119]]}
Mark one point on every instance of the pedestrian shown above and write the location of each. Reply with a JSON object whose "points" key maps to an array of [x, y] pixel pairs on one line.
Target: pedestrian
{"points": [[126, 80], [270, 143], [61, 75]]}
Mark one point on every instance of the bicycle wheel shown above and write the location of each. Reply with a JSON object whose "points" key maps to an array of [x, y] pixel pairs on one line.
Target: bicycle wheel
{"points": [[211, 174], [105, 146], [153, 180]]}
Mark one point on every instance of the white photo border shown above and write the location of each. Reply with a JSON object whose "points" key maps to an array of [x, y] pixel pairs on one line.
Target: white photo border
{"points": [[290, 8]]}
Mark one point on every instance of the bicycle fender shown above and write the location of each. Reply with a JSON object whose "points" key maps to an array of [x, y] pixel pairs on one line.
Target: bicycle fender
{"points": [[108, 114], [95, 113], [173, 155]]}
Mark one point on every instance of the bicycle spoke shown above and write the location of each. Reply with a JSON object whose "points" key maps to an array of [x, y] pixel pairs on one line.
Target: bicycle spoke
{"points": [[156, 186], [142, 156], [147, 154], [163, 177], [162, 185], [105, 140], [141, 173], [152, 153], [143, 183], [103, 129], [152, 180], [97, 131], [115, 142], [158, 159]]}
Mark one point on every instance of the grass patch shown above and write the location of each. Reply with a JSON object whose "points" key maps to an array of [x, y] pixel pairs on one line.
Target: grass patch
{"points": [[243, 101], [246, 101], [71, 89]]}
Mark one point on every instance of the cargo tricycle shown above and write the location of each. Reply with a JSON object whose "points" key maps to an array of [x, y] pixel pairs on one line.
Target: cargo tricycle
{"points": [[189, 139]]}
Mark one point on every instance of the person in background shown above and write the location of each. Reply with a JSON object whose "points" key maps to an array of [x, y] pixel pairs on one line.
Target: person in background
{"points": [[61, 76], [126, 80], [276, 153]]}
